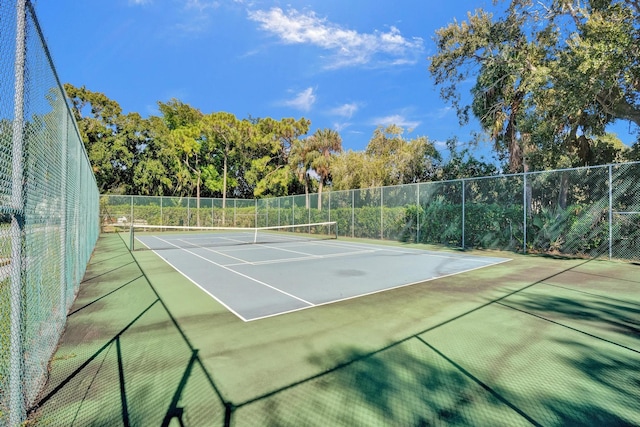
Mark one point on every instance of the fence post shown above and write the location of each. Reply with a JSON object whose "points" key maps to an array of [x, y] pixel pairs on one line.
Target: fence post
{"points": [[353, 213], [417, 213], [463, 211], [63, 220], [381, 213], [610, 211], [131, 242], [16, 361], [524, 210]]}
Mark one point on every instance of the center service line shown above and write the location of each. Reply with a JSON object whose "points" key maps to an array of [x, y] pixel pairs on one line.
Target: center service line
{"points": [[239, 274]]}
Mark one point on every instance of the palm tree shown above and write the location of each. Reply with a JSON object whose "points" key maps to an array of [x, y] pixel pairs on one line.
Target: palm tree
{"points": [[324, 143], [300, 158]]}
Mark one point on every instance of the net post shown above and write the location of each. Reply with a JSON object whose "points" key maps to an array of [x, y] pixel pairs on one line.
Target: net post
{"points": [[131, 238]]}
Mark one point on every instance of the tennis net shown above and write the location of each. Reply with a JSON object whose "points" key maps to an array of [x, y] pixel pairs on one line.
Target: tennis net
{"points": [[159, 237]]}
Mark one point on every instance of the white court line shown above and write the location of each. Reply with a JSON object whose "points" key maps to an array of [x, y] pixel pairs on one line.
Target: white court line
{"points": [[288, 250], [307, 258], [380, 290], [417, 251], [235, 272], [203, 289], [242, 261]]}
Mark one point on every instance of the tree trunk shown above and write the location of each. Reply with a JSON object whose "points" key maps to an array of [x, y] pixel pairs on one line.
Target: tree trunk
{"points": [[564, 190]]}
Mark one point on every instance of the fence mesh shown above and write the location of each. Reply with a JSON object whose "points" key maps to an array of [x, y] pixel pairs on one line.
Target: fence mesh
{"points": [[586, 212], [592, 212], [48, 210]]}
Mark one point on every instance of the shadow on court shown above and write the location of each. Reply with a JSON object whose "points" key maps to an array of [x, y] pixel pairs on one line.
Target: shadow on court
{"points": [[533, 342], [123, 360]]}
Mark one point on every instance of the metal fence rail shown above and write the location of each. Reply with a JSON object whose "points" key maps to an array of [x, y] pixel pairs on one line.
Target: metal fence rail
{"points": [[590, 211], [48, 209]]}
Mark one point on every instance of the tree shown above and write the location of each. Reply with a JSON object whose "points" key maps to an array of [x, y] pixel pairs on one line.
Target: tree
{"points": [[177, 114], [300, 159], [226, 138], [400, 161], [350, 169], [111, 157], [389, 159], [183, 147], [463, 164], [157, 164], [324, 143], [548, 74], [270, 170]]}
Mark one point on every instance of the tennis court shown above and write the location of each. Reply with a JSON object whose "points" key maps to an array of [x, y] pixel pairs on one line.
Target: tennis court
{"points": [[292, 272], [533, 341]]}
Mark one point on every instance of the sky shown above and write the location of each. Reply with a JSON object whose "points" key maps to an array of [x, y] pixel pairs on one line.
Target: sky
{"points": [[348, 65]]}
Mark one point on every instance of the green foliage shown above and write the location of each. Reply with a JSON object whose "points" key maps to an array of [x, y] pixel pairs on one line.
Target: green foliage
{"points": [[186, 153], [549, 77], [389, 159]]}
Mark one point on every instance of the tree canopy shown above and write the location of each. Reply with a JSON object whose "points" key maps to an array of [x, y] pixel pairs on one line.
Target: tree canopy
{"points": [[549, 76], [547, 79]]}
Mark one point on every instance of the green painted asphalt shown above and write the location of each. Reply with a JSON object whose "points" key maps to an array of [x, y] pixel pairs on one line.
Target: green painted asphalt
{"points": [[538, 340]]}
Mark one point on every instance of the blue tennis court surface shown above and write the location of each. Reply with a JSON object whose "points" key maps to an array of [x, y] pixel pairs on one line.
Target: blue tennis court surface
{"points": [[255, 281]]}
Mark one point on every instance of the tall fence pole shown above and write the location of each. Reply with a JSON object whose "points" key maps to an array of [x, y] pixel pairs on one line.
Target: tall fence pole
{"points": [[63, 220], [16, 359], [524, 210], [381, 213], [463, 211], [417, 213], [353, 213], [610, 211]]}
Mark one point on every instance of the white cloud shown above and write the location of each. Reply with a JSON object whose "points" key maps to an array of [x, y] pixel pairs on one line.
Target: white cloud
{"points": [[398, 120], [139, 2], [349, 47], [441, 113], [439, 144], [341, 126], [201, 5], [345, 110], [303, 100]]}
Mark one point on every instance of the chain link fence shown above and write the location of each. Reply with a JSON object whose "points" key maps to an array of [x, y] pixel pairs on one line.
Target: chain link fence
{"points": [[48, 210], [588, 212]]}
